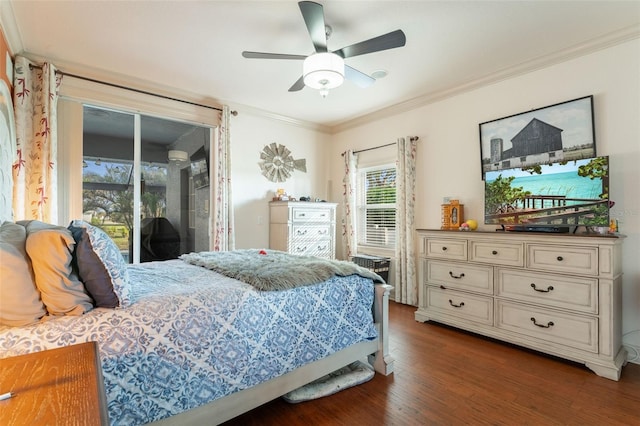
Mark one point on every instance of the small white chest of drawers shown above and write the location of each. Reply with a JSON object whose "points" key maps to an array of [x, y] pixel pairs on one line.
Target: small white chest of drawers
{"points": [[303, 228], [558, 294]]}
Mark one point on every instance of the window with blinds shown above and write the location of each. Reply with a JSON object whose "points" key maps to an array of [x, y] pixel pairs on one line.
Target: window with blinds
{"points": [[377, 206]]}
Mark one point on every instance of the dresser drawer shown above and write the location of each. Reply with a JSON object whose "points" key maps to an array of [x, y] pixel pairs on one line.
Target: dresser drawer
{"points": [[319, 248], [303, 228], [461, 276], [452, 249], [568, 259], [474, 308], [575, 293], [575, 331], [311, 232], [312, 215], [508, 254]]}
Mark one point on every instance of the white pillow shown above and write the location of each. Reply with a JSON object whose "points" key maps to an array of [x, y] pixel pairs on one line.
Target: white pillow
{"points": [[20, 302]]}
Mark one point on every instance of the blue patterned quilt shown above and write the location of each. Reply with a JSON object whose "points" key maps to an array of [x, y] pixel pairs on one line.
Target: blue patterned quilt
{"points": [[192, 336]]}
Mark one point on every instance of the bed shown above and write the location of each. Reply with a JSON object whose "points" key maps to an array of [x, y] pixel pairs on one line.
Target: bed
{"points": [[181, 343]]}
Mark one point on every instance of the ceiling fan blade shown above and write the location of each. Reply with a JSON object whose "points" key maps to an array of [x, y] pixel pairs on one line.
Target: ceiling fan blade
{"points": [[313, 15], [298, 85], [262, 55], [359, 78], [384, 42]]}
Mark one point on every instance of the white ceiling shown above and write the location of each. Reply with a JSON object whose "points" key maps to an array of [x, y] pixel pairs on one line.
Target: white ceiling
{"points": [[194, 48]]}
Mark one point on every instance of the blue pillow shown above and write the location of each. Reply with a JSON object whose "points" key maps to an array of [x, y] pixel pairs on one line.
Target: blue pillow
{"points": [[100, 266]]}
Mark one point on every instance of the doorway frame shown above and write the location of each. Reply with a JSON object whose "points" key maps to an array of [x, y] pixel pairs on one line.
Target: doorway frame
{"points": [[77, 92]]}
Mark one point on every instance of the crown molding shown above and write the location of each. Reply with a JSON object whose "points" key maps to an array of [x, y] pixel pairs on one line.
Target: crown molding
{"points": [[281, 118], [583, 49], [9, 28], [97, 75]]}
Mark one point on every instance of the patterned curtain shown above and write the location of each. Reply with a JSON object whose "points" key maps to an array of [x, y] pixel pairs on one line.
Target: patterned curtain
{"points": [[349, 239], [35, 97], [406, 286], [224, 238]]}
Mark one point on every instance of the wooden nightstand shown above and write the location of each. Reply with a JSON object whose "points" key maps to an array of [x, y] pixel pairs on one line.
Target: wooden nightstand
{"points": [[55, 386]]}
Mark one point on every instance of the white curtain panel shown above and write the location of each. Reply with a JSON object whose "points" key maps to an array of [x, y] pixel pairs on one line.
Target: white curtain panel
{"points": [[7, 151], [223, 223], [35, 98], [349, 238], [406, 285]]}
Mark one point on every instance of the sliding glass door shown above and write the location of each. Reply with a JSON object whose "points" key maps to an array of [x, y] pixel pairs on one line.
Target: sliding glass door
{"points": [[145, 182]]}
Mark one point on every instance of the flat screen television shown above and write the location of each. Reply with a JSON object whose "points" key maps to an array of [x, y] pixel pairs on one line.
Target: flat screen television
{"points": [[549, 197], [200, 168]]}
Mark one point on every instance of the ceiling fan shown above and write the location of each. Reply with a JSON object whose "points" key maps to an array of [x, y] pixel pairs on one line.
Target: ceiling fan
{"points": [[325, 69]]}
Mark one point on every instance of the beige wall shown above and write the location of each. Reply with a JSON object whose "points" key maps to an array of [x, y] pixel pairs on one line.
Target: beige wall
{"points": [[448, 162], [252, 191]]}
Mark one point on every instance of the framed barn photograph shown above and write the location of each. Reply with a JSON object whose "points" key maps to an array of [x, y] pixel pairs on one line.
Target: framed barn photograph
{"points": [[556, 133]]}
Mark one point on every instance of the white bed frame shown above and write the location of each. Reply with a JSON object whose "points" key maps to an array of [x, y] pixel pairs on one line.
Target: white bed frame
{"points": [[228, 407]]}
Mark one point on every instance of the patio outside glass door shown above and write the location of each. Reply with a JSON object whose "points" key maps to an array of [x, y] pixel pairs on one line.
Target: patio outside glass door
{"points": [[146, 183]]}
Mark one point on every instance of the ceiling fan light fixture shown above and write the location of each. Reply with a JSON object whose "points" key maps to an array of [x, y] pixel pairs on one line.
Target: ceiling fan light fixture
{"points": [[323, 71]]}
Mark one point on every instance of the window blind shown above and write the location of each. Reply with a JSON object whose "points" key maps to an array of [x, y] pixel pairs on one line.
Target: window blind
{"points": [[377, 206]]}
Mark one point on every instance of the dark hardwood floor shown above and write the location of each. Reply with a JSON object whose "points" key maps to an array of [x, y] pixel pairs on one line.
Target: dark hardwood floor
{"points": [[444, 376]]}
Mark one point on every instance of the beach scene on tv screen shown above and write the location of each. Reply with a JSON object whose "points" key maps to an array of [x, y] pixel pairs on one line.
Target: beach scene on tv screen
{"points": [[571, 193]]}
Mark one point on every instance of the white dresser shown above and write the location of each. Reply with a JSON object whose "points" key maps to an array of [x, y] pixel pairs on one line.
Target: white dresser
{"points": [[558, 294], [304, 228]]}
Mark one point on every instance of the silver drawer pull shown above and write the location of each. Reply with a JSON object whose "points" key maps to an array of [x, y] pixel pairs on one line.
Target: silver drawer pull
{"points": [[549, 324], [560, 259], [457, 277], [323, 232], [303, 232], [456, 306], [533, 286]]}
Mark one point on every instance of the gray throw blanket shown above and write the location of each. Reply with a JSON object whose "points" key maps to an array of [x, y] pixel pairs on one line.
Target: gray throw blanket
{"points": [[275, 270]]}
